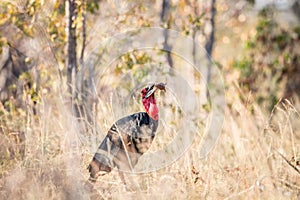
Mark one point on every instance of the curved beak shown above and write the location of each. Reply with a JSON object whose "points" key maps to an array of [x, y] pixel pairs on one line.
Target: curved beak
{"points": [[154, 87], [151, 91]]}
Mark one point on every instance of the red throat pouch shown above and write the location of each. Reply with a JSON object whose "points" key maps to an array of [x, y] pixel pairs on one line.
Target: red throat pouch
{"points": [[153, 111], [151, 107]]}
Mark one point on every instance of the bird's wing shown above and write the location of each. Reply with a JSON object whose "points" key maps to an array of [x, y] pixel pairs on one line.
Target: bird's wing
{"points": [[138, 131], [126, 141], [137, 125]]}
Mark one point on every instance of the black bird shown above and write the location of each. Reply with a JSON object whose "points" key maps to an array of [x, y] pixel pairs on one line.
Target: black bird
{"points": [[128, 138]]}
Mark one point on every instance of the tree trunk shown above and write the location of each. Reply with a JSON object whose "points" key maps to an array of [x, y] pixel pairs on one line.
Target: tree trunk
{"points": [[210, 38], [165, 18], [83, 11], [195, 33], [71, 61], [80, 92], [84, 95]]}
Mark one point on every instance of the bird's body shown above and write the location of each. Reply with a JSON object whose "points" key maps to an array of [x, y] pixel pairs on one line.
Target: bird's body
{"points": [[128, 138]]}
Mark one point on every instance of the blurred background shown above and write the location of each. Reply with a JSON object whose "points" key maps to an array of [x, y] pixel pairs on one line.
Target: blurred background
{"points": [[59, 96]]}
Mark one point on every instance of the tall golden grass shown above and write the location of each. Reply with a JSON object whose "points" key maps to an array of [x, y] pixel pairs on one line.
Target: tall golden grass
{"points": [[256, 157]]}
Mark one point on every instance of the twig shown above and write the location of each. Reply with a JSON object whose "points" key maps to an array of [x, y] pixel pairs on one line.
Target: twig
{"points": [[293, 166]]}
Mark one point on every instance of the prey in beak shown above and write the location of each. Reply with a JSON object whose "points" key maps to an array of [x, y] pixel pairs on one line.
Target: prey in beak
{"points": [[154, 87]]}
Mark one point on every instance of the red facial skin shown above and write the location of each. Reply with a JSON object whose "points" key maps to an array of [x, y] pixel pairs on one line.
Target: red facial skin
{"points": [[150, 105]]}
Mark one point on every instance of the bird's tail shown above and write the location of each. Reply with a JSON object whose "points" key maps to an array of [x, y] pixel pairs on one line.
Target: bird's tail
{"points": [[93, 169], [100, 163]]}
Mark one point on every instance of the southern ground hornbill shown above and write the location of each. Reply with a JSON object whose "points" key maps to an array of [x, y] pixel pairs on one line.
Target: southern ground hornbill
{"points": [[128, 138]]}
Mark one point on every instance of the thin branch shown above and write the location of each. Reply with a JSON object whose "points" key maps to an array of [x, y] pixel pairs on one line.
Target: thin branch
{"points": [[81, 59], [290, 164]]}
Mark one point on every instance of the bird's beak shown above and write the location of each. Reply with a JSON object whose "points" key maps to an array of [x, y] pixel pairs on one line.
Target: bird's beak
{"points": [[161, 86], [150, 92]]}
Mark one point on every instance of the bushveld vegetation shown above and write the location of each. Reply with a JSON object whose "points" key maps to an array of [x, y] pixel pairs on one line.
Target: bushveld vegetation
{"points": [[49, 131]]}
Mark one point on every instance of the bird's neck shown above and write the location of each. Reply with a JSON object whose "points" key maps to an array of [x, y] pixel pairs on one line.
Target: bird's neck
{"points": [[151, 107]]}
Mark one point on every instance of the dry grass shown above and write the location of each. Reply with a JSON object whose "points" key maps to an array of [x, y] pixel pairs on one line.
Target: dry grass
{"points": [[247, 162]]}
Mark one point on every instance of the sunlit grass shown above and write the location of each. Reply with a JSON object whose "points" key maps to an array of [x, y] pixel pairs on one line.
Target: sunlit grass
{"points": [[247, 162]]}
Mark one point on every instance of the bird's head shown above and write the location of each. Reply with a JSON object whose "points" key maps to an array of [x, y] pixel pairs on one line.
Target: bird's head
{"points": [[148, 98]]}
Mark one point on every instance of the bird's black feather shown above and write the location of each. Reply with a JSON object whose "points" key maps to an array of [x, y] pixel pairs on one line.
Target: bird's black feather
{"points": [[125, 142]]}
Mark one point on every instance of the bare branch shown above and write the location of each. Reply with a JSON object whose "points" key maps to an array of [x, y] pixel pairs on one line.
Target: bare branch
{"points": [[290, 164]]}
